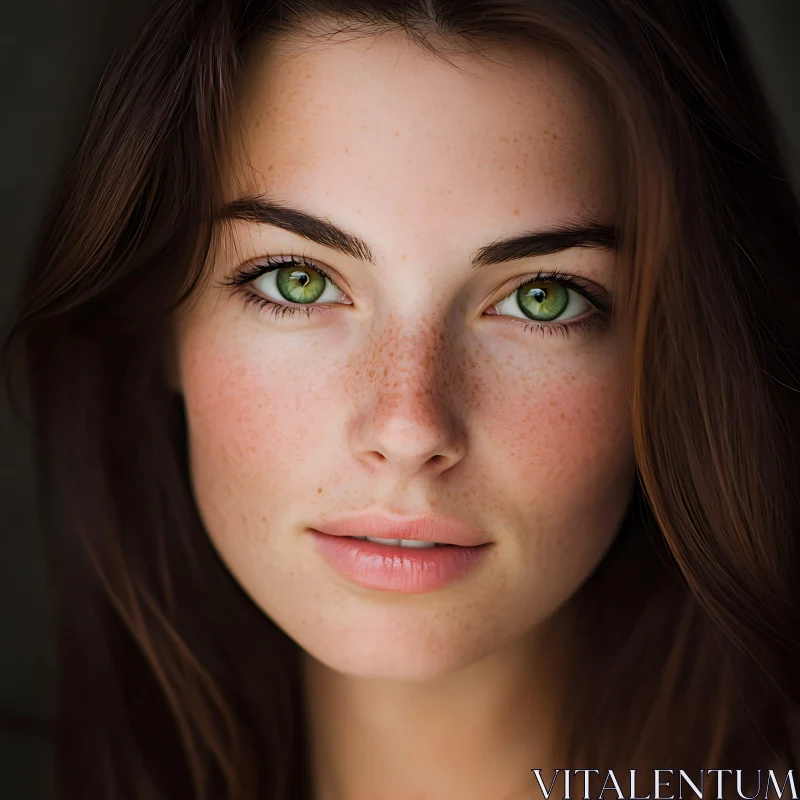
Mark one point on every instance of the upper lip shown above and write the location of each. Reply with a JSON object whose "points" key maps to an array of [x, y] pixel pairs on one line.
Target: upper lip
{"points": [[429, 528]]}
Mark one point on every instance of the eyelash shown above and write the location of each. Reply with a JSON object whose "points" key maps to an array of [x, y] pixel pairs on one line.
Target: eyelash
{"points": [[584, 325]]}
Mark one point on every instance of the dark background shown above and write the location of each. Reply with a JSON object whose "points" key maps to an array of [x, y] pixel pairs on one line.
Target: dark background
{"points": [[53, 55]]}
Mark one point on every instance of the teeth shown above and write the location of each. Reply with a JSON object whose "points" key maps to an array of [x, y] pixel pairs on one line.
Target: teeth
{"points": [[416, 544], [395, 542], [413, 543]]}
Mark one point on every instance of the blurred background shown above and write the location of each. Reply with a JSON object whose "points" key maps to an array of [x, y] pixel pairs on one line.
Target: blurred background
{"points": [[53, 56]]}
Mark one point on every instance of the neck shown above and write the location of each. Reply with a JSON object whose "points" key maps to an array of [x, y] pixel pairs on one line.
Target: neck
{"points": [[472, 735]]}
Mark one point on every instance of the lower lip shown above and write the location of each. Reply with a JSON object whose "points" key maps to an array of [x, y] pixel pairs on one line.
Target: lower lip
{"points": [[397, 569]]}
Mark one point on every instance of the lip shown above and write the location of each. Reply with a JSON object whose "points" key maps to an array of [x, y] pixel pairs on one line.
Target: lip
{"points": [[430, 528], [394, 568]]}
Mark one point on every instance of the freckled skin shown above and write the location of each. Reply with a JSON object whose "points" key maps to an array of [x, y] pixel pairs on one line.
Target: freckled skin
{"points": [[297, 418]]}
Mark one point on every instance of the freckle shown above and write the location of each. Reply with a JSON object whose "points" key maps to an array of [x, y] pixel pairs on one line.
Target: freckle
{"points": [[271, 167], [319, 491], [516, 212]]}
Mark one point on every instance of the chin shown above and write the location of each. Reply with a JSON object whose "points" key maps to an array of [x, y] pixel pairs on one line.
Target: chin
{"points": [[402, 644], [371, 660]]}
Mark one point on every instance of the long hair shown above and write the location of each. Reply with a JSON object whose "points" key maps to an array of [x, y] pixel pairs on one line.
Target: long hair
{"points": [[685, 647]]}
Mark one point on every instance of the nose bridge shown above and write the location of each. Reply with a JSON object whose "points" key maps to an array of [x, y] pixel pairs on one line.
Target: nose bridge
{"points": [[411, 365]]}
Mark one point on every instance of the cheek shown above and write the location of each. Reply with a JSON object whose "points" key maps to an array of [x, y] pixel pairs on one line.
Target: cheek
{"points": [[253, 424], [561, 456], [567, 435]]}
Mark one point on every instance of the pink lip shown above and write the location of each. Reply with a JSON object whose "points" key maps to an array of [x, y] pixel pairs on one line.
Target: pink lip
{"points": [[424, 529], [400, 569]]}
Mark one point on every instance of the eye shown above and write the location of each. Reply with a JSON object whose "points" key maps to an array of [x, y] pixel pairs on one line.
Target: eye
{"points": [[544, 301], [296, 281]]}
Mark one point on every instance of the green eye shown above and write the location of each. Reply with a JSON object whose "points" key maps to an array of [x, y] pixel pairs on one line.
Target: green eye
{"points": [[300, 284], [543, 301]]}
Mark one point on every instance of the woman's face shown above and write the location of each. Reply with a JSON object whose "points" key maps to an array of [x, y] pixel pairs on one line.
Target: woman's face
{"points": [[414, 384]]}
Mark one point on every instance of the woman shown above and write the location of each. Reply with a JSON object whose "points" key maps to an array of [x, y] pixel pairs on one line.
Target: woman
{"points": [[415, 388]]}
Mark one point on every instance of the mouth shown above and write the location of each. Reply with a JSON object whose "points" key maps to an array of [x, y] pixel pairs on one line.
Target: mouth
{"points": [[405, 566], [423, 532]]}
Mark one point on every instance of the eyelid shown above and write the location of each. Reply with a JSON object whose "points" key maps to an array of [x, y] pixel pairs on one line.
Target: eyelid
{"points": [[258, 267]]}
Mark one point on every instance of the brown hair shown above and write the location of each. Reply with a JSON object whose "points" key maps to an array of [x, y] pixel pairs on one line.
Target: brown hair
{"points": [[686, 646]]}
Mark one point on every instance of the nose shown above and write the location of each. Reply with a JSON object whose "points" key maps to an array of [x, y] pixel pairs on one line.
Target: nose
{"points": [[408, 419]]}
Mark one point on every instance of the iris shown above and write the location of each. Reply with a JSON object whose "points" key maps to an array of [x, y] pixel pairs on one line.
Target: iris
{"points": [[300, 285], [540, 303]]}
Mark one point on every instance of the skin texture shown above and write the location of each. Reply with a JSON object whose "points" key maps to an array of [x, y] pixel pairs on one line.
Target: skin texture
{"points": [[298, 418]]}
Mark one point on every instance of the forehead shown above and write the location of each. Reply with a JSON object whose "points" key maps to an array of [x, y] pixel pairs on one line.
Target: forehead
{"points": [[378, 127]]}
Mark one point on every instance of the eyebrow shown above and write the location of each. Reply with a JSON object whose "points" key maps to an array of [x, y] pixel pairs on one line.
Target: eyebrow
{"points": [[587, 230]]}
